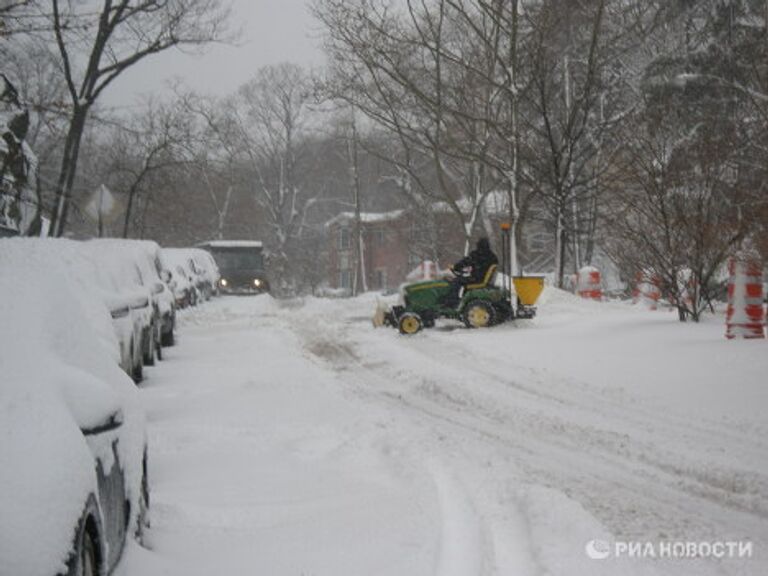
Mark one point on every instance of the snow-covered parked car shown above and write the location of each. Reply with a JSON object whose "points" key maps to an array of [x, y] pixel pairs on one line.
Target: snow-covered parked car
{"points": [[183, 281], [140, 260], [211, 268], [129, 301], [206, 271], [126, 307], [73, 456]]}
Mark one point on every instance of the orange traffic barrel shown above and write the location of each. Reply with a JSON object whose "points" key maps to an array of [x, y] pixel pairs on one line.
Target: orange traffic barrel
{"points": [[746, 315], [648, 289], [589, 284]]}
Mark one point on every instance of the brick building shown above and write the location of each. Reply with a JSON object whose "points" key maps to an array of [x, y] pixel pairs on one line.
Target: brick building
{"points": [[386, 239], [397, 242]]}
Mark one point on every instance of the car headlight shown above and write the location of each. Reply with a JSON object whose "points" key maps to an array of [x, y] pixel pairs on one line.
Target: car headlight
{"points": [[223, 281], [257, 282]]}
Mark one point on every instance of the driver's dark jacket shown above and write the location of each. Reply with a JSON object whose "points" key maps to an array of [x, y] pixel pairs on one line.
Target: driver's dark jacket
{"points": [[479, 261]]}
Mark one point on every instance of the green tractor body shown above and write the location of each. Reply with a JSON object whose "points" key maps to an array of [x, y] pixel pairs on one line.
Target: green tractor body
{"points": [[424, 302], [482, 304]]}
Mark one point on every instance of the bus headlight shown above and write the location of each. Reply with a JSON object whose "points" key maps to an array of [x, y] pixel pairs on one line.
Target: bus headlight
{"points": [[257, 283]]}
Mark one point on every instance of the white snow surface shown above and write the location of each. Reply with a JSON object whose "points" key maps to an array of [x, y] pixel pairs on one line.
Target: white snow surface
{"points": [[292, 438], [58, 373]]}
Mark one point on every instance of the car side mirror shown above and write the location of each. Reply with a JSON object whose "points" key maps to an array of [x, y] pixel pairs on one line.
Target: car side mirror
{"points": [[158, 288], [165, 276]]}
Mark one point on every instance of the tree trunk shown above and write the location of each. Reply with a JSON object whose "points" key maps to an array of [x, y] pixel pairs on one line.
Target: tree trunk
{"points": [[514, 215], [559, 245], [223, 213], [68, 170], [128, 211]]}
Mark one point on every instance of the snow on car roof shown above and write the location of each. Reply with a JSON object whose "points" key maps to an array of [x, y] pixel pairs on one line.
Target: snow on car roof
{"points": [[232, 244], [174, 257]]}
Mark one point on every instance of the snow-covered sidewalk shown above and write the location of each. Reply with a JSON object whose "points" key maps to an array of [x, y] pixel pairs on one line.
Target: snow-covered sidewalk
{"points": [[292, 438]]}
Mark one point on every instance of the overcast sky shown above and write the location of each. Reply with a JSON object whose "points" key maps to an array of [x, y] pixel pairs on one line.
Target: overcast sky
{"points": [[273, 31]]}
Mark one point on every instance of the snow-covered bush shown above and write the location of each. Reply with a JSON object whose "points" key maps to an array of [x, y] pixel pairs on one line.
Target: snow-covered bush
{"points": [[18, 164]]}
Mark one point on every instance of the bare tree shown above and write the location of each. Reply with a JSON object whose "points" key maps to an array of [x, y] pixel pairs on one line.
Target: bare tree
{"points": [[271, 113], [18, 17], [154, 139], [96, 46], [259, 141], [416, 74], [677, 210]]}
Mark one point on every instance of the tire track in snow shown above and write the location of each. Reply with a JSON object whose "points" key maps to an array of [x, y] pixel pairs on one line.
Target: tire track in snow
{"points": [[621, 425], [623, 445], [460, 540], [468, 539], [618, 427]]}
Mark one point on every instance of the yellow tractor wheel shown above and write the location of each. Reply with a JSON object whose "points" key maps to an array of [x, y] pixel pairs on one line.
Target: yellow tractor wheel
{"points": [[479, 314], [409, 323]]}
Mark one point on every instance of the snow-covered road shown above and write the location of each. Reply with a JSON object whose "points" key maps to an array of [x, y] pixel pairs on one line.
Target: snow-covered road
{"points": [[290, 438]]}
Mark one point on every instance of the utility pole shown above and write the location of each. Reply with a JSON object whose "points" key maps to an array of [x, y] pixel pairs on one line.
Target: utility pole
{"points": [[360, 281]]}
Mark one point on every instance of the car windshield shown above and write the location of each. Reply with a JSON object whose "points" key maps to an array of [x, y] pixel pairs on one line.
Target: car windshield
{"points": [[240, 259]]}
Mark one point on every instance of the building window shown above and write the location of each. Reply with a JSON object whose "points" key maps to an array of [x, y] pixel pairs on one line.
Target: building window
{"points": [[345, 279], [377, 236], [344, 262], [344, 239]]}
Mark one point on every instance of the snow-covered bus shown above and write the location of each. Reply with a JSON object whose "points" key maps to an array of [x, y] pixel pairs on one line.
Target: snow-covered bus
{"points": [[241, 265]]}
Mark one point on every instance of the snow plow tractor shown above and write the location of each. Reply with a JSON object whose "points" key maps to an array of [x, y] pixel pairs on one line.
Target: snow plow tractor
{"points": [[481, 305], [489, 302]]}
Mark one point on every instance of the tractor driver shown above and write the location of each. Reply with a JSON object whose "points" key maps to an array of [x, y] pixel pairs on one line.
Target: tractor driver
{"points": [[470, 270]]}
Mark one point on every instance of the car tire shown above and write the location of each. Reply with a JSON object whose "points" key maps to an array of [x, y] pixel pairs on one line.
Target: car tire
{"points": [[142, 518], [137, 373], [87, 558], [168, 338], [149, 354]]}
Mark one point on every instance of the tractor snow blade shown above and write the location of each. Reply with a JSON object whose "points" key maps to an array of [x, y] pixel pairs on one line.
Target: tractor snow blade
{"points": [[380, 315]]}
